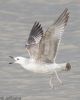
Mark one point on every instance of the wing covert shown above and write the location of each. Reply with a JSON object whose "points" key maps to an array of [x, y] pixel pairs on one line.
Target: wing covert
{"points": [[51, 39]]}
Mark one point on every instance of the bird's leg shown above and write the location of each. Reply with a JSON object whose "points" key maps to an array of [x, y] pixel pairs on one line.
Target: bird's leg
{"points": [[51, 79], [50, 82], [58, 77]]}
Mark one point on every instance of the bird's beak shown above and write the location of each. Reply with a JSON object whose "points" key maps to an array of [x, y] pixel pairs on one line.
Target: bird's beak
{"points": [[11, 58]]}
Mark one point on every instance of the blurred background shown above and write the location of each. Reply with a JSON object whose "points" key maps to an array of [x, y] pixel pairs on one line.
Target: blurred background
{"points": [[16, 20]]}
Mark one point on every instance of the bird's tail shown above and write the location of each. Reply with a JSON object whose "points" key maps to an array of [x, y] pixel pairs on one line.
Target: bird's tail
{"points": [[65, 66], [68, 67]]}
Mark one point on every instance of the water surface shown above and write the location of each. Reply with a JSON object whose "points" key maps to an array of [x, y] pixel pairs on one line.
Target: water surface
{"points": [[16, 20]]}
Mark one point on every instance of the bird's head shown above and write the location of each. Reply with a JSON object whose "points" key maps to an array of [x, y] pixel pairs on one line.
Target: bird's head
{"points": [[19, 60]]}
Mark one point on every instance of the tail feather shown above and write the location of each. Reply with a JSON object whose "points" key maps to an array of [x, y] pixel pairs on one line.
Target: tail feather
{"points": [[68, 66], [65, 66]]}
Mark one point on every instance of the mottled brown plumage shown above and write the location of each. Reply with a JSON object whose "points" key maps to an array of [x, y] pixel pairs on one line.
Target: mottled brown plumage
{"points": [[43, 46]]}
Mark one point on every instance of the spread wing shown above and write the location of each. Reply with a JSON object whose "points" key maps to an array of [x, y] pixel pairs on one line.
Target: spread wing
{"points": [[50, 41], [32, 44], [43, 47]]}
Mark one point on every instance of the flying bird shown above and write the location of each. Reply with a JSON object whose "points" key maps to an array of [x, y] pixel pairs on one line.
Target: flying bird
{"points": [[42, 48]]}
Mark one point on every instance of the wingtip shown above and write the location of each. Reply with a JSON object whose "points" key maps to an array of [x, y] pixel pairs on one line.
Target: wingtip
{"points": [[66, 9]]}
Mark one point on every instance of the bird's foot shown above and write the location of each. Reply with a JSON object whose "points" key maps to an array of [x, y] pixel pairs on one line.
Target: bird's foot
{"points": [[51, 83], [59, 81]]}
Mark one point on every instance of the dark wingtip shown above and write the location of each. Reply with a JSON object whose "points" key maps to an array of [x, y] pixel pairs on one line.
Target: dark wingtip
{"points": [[66, 9]]}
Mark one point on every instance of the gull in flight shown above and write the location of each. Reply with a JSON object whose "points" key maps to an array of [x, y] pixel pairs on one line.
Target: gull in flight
{"points": [[42, 49]]}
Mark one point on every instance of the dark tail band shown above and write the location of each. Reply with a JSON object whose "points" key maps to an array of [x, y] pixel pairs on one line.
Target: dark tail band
{"points": [[68, 66]]}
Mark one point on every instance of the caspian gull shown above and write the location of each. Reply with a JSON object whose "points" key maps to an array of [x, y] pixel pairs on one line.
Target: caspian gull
{"points": [[42, 48]]}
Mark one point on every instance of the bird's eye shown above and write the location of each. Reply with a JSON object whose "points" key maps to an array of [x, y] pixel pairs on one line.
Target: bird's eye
{"points": [[17, 58]]}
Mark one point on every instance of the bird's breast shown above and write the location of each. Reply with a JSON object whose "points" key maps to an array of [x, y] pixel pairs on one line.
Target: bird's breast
{"points": [[41, 68]]}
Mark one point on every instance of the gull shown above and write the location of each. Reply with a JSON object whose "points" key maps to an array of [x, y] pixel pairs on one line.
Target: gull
{"points": [[42, 48]]}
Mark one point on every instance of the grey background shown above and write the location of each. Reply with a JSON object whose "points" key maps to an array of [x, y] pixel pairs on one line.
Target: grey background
{"points": [[16, 20]]}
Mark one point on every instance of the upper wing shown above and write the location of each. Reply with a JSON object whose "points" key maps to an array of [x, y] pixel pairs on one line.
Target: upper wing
{"points": [[32, 44], [51, 39]]}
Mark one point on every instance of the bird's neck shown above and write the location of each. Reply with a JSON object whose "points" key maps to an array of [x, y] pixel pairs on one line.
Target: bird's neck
{"points": [[27, 63], [24, 63]]}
